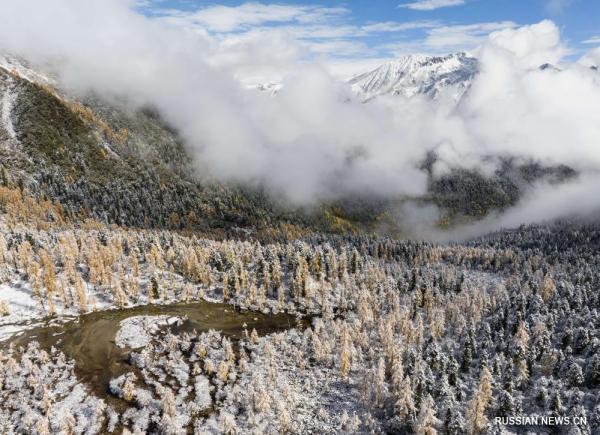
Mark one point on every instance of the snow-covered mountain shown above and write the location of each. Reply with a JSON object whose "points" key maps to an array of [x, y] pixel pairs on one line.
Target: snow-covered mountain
{"points": [[418, 74]]}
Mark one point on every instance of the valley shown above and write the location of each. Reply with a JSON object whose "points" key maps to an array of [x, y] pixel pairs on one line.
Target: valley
{"points": [[140, 293]]}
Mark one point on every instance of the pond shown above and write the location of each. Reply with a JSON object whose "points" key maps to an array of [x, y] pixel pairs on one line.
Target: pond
{"points": [[90, 338]]}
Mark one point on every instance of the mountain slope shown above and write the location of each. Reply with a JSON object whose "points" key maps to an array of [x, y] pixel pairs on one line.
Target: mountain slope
{"points": [[418, 74], [109, 161]]}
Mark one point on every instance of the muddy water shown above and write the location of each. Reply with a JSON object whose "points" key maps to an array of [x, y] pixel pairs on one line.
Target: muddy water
{"points": [[90, 338]]}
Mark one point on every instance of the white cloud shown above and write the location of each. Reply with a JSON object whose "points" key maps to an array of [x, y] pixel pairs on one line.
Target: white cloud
{"points": [[297, 31], [468, 35], [393, 26], [429, 5], [256, 56], [229, 19], [591, 59], [445, 39], [323, 31], [592, 40], [339, 48], [532, 45], [306, 30]]}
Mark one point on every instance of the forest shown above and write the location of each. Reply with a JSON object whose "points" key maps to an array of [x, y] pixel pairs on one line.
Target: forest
{"points": [[402, 337]]}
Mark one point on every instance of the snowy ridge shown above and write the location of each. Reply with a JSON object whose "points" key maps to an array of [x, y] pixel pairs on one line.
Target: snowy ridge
{"points": [[23, 69], [19, 67], [418, 74]]}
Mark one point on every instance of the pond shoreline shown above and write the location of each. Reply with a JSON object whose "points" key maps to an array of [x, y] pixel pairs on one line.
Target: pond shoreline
{"points": [[89, 339]]}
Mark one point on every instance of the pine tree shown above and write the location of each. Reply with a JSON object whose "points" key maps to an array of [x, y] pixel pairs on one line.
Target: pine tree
{"points": [[254, 337], [426, 420], [223, 371], [555, 402], [454, 423], [129, 388], [225, 287], [405, 406], [346, 352], [397, 375], [168, 403], [380, 384], [482, 398], [574, 374]]}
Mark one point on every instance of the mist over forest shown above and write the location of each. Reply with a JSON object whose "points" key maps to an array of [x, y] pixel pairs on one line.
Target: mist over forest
{"points": [[268, 218]]}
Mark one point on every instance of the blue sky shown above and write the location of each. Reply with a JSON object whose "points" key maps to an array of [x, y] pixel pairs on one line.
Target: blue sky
{"points": [[377, 30]]}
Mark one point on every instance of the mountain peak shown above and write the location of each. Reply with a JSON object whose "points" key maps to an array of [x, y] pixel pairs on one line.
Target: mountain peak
{"points": [[415, 74], [549, 66], [414, 57]]}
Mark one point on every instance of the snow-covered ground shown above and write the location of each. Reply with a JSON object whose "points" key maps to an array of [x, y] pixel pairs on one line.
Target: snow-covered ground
{"points": [[137, 331], [45, 395], [22, 68], [8, 99]]}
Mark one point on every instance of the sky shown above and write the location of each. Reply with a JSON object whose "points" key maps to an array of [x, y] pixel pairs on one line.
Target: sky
{"points": [[356, 36]]}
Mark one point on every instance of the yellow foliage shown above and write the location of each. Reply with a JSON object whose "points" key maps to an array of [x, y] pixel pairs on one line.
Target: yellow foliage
{"points": [[87, 115]]}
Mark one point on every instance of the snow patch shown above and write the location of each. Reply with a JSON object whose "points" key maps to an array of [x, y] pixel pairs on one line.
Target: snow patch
{"points": [[137, 331], [8, 100], [21, 67]]}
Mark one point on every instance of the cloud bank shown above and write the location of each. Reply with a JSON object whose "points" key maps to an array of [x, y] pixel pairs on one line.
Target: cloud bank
{"points": [[313, 142]]}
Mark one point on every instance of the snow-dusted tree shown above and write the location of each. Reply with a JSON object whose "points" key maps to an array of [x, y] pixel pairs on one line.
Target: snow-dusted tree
{"points": [[426, 421], [405, 406], [168, 403], [593, 370], [380, 386], [225, 286], [547, 289], [520, 342], [574, 374], [482, 398], [522, 373], [68, 423], [254, 337], [346, 351], [228, 424], [129, 388], [42, 427], [397, 374], [454, 423]]}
